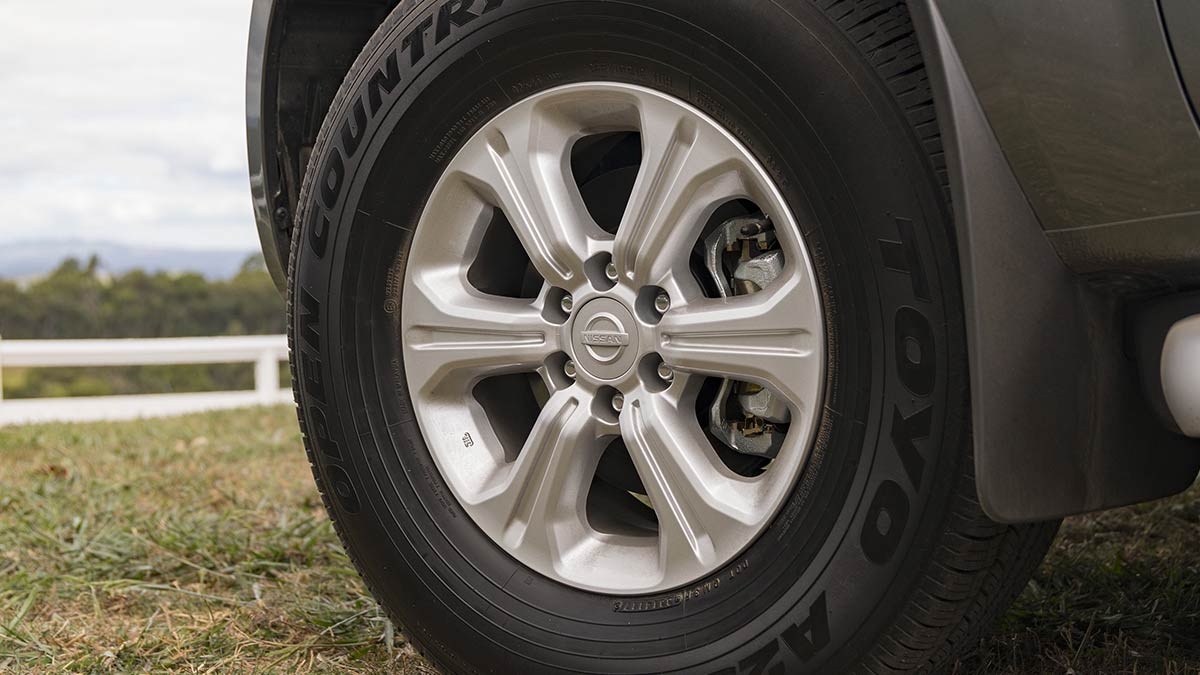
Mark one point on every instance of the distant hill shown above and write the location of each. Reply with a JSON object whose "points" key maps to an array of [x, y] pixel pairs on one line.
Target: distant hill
{"points": [[30, 259]]}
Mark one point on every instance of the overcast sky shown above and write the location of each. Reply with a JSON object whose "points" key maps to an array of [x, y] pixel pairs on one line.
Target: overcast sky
{"points": [[123, 121]]}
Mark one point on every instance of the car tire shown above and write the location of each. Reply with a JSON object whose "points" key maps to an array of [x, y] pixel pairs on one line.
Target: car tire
{"points": [[875, 558]]}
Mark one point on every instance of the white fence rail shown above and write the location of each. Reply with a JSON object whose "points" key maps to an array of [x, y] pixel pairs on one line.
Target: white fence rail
{"points": [[264, 351]]}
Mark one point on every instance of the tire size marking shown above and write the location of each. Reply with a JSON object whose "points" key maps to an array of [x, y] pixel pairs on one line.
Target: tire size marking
{"points": [[680, 597]]}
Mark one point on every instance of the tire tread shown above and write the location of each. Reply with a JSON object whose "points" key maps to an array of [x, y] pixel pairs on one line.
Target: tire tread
{"points": [[978, 566]]}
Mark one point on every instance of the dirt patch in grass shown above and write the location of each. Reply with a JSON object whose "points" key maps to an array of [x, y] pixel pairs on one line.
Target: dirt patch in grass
{"points": [[198, 544]]}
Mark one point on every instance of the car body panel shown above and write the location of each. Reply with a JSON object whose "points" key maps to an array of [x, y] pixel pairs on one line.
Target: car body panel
{"points": [[1086, 103]]}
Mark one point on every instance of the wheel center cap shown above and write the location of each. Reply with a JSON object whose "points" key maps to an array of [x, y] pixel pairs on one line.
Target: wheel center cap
{"points": [[604, 335]]}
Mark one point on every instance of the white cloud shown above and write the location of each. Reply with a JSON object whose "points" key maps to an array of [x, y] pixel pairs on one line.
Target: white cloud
{"points": [[125, 122]]}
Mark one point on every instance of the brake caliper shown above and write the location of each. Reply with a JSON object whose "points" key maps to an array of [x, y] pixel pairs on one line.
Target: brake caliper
{"points": [[743, 257]]}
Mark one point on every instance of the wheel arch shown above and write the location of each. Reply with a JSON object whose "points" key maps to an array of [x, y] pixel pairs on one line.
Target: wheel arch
{"points": [[299, 52]]}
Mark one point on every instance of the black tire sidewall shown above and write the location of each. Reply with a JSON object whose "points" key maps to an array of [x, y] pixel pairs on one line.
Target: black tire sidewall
{"points": [[825, 578]]}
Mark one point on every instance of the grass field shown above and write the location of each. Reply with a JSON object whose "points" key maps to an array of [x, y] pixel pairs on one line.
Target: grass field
{"points": [[199, 544]]}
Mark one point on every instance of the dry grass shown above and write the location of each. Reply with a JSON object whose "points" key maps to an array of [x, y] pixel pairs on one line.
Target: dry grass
{"points": [[199, 544], [193, 544], [1118, 593]]}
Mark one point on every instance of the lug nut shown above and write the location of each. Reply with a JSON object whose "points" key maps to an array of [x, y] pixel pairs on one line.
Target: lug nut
{"points": [[662, 303], [618, 402], [610, 271], [665, 372], [569, 369], [567, 303]]}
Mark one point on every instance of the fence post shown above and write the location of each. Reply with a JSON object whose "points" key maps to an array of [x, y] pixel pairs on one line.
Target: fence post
{"points": [[1, 370], [266, 377]]}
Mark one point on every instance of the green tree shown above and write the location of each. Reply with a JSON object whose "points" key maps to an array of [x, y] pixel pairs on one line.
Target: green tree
{"points": [[76, 300]]}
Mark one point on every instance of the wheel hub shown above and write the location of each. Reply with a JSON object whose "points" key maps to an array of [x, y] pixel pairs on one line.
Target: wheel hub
{"points": [[604, 336]]}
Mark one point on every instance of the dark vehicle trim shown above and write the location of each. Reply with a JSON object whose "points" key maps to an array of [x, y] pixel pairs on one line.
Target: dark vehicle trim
{"points": [[299, 52], [273, 245]]}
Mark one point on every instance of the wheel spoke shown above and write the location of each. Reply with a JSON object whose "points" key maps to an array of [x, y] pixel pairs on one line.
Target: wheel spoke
{"points": [[522, 164], [460, 337], [688, 169], [545, 489], [701, 505], [768, 338]]}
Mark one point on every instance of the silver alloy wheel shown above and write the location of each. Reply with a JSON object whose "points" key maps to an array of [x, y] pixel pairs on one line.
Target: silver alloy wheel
{"points": [[455, 336]]}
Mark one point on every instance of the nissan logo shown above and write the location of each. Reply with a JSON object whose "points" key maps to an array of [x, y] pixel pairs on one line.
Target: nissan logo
{"points": [[604, 338]]}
